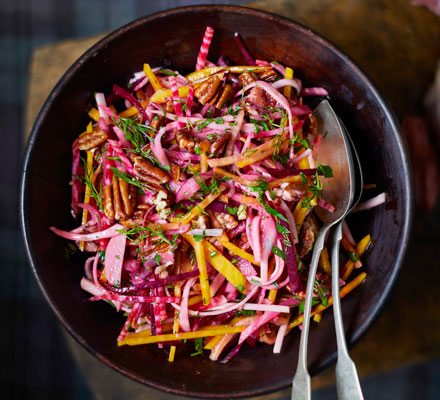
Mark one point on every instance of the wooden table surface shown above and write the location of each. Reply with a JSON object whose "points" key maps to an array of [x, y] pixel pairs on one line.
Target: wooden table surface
{"points": [[398, 46]]}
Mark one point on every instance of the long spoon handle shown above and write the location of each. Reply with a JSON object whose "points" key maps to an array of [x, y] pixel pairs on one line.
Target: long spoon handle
{"points": [[347, 380], [301, 382]]}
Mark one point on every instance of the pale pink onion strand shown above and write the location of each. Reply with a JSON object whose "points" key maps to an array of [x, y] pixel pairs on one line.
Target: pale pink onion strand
{"points": [[374, 202]]}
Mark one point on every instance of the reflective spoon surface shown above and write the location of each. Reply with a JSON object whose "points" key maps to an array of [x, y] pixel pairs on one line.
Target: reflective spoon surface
{"points": [[347, 380], [334, 151]]}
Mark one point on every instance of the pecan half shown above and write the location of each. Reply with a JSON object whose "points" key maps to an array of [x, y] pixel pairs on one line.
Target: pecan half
{"points": [[135, 220], [310, 125], [307, 235], [186, 142], [90, 140], [108, 201], [128, 196], [225, 96], [218, 146], [258, 98], [269, 75], [147, 172], [208, 89], [117, 201], [246, 78]]}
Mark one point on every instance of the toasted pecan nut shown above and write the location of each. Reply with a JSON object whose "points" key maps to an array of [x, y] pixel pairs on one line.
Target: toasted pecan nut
{"points": [[157, 122], [108, 201], [147, 172], [136, 219], [260, 99], [310, 125], [117, 201], [207, 89], [218, 146], [269, 75], [186, 142], [225, 96], [127, 197], [90, 140], [246, 78]]}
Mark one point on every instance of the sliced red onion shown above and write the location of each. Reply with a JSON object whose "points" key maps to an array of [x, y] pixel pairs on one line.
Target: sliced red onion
{"points": [[374, 202], [89, 287], [325, 205], [266, 307], [136, 299], [301, 110], [268, 237], [114, 258], [206, 232], [290, 218], [100, 101], [314, 91], [121, 136], [295, 83], [128, 96], [183, 311], [87, 237], [158, 149], [280, 338]]}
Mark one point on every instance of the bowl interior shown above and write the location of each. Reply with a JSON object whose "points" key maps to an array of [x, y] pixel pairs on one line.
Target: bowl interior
{"points": [[173, 38]]}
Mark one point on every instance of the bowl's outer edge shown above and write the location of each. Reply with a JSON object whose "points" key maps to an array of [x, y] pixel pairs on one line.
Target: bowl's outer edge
{"points": [[409, 200]]}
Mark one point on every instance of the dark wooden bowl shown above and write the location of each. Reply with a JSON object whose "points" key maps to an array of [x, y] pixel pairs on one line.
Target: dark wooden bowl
{"points": [[175, 36]]}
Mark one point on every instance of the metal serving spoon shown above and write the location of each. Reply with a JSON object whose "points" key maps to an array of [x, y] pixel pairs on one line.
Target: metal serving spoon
{"points": [[339, 190], [347, 380]]}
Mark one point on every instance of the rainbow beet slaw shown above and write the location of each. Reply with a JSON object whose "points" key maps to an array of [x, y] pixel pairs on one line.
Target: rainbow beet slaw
{"points": [[196, 196]]}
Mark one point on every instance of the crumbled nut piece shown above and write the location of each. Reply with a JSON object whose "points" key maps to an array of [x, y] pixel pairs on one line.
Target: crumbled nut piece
{"points": [[162, 202], [147, 172], [224, 97], [135, 220], [258, 98], [108, 202], [269, 75], [202, 222], [310, 125], [246, 78], [186, 142], [90, 140], [307, 235], [218, 146], [288, 192], [207, 89], [227, 221], [117, 201], [242, 212]]}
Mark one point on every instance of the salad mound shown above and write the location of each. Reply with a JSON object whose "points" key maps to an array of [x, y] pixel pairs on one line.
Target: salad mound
{"points": [[196, 196]]}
